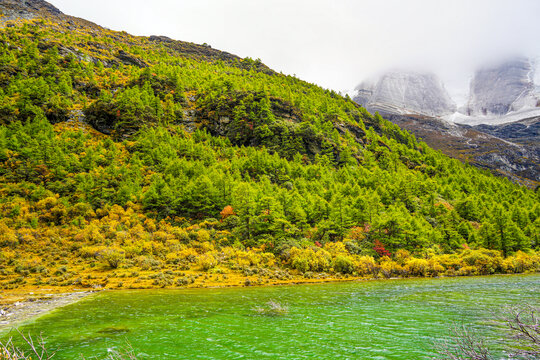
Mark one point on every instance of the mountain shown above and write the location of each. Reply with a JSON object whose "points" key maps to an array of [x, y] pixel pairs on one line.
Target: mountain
{"points": [[139, 162], [509, 150], [400, 92], [502, 101], [502, 89]]}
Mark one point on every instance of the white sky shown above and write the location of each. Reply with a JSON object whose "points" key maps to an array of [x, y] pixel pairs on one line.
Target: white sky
{"points": [[337, 43]]}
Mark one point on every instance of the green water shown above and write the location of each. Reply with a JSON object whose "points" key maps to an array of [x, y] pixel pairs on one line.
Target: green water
{"points": [[394, 319]]}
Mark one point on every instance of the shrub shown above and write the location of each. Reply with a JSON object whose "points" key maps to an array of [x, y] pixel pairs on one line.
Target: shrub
{"points": [[309, 260], [417, 267], [112, 257], [367, 265], [343, 264], [485, 261], [148, 262], [207, 261], [389, 268], [520, 262], [8, 238]]}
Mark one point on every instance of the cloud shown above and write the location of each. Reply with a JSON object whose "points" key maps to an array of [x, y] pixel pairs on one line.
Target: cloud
{"points": [[337, 43]]}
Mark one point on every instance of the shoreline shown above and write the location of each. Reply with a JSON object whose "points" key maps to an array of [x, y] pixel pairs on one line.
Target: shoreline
{"points": [[35, 305], [17, 308]]}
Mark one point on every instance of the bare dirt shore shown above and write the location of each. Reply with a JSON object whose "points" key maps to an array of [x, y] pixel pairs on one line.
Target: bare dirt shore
{"points": [[34, 304]]}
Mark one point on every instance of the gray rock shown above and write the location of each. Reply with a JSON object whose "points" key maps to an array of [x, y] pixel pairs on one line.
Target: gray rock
{"points": [[502, 89], [401, 92], [129, 59], [26, 9]]}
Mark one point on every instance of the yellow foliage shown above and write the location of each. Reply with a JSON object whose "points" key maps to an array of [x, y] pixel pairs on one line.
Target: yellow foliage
{"points": [[8, 237], [521, 262], [335, 248], [47, 203], [154, 248], [228, 252], [310, 260], [138, 232], [450, 262], [434, 267], [207, 261], [162, 236], [91, 233], [367, 265], [7, 254], [150, 225], [203, 235], [417, 267], [205, 246], [188, 254], [112, 256], [91, 251], [484, 261], [401, 256], [388, 267], [122, 237], [133, 248], [180, 234], [467, 270], [248, 258]]}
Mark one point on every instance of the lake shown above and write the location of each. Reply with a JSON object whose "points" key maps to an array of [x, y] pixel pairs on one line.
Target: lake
{"points": [[386, 319]]}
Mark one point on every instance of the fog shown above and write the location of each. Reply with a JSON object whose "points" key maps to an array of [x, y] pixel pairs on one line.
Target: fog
{"points": [[338, 43]]}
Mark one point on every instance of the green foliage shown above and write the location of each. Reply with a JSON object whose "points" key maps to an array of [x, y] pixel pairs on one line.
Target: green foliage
{"points": [[181, 140]]}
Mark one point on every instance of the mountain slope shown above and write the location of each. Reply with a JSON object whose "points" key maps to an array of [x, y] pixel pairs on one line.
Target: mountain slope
{"points": [[509, 150], [133, 161]]}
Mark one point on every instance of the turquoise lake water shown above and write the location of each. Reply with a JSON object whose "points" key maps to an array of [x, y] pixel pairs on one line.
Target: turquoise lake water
{"points": [[390, 319]]}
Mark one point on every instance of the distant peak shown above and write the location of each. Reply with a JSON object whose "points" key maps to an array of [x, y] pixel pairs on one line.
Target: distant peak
{"points": [[405, 92], [502, 88]]}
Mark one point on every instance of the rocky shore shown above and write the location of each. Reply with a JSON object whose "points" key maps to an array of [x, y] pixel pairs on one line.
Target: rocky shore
{"points": [[15, 313]]}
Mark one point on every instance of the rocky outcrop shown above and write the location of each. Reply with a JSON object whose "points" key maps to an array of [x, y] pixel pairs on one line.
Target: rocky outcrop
{"points": [[400, 92], [509, 150], [526, 131], [129, 59], [502, 89], [26, 9]]}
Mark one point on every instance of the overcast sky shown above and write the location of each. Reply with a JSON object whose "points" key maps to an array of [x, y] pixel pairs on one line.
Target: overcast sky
{"points": [[337, 43]]}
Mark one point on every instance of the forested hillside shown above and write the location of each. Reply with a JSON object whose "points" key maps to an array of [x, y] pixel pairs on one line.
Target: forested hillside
{"points": [[132, 161]]}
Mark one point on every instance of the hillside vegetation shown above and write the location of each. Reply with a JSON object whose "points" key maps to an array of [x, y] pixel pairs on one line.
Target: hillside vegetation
{"points": [[136, 162]]}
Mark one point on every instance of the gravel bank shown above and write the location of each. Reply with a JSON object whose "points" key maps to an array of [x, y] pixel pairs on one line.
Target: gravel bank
{"points": [[14, 314]]}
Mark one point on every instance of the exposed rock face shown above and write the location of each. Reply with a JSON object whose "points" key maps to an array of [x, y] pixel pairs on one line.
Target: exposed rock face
{"points": [[502, 89], [26, 9], [406, 93], [509, 150], [130, 59], [526, 131]]}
